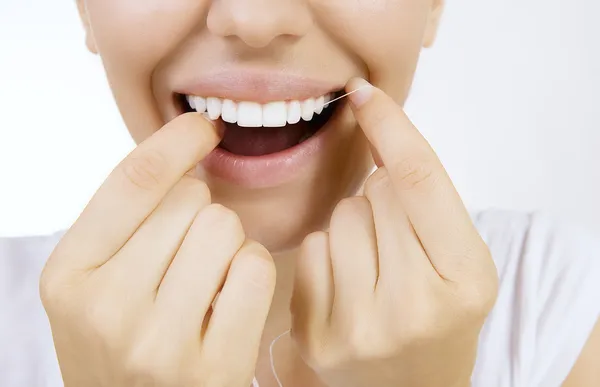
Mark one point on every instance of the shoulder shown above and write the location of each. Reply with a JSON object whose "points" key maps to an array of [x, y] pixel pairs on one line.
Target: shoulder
{"points": [[27, 354], [537, 234], [548, 301], [537, 247]]}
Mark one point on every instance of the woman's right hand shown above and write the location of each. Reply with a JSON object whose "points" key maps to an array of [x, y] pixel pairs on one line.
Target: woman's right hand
{"points": [[130, 290]]}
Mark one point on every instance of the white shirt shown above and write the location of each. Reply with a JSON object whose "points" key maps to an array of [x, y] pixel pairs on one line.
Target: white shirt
{"points": [[548, 304]]}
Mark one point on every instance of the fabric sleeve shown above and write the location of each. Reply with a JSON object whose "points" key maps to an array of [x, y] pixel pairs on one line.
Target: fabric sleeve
{"points": [[567, 296], [27, 356], [548, 302]]}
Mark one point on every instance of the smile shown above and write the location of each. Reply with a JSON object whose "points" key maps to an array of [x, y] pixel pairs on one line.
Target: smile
{"points": [[270, 131], [254, 129]]}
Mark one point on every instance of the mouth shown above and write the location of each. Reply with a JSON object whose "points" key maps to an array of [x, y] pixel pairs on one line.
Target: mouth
{"points": [[275, 126], [253, 129]]}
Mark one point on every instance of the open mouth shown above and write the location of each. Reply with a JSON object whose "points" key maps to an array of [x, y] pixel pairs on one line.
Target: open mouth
{"points": [[253, 129]]}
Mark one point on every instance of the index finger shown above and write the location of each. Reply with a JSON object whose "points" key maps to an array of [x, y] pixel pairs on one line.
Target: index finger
{"points": [[420, 181], [135, 188]]}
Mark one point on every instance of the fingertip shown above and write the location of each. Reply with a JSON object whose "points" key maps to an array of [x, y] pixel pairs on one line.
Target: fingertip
{"points": [[314, 242], [220, 129], [254, 263], [207, 126], [257, 250], [360, 91]]}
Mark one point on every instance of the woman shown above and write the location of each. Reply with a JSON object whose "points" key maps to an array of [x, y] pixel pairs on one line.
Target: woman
{"points": [[247, 209]]}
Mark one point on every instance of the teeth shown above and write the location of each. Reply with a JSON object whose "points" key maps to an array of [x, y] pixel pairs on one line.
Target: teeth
{"points": [[294, 112], [213, 106], [308, 109], [319, 102], [274, 114], [251, 114], [190, 101], [199, 104], [229, 111]]}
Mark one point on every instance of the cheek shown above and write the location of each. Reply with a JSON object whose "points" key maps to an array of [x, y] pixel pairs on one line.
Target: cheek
{"points": [[386, 34], [143, 31], [132, 37]]}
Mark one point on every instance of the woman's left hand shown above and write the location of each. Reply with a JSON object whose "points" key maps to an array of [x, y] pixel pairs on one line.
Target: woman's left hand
{"points": [[396, 293]]}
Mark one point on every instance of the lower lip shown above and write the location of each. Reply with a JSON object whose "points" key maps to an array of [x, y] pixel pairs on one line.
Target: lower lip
{"points": [[269, 170]]}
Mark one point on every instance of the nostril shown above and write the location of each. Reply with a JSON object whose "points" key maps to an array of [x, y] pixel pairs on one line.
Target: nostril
{"points": [[258, 23], [257, 34]]}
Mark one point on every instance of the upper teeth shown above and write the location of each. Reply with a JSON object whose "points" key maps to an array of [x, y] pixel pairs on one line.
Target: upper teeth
{"points": [[252, 114]]}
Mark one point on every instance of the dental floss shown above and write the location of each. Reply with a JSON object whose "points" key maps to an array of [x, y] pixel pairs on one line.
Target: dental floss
{"points": [[205, 114], [271, 357], [254, 381], [345, 95]]}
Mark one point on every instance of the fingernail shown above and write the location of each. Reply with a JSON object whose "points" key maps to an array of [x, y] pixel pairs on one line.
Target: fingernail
{"points": [[361, 91]]}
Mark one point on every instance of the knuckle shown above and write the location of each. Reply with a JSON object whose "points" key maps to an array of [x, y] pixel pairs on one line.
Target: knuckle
{"points": [[209, 372], [478, 299], [363, 343], [145, 169], [319, 356], [99, 318], [143, 369], [485, 255], [372, 338], [479, 294], [323, 360], [414, 172], [51, 289], [55, 288], [146, 359], [426, 319]]}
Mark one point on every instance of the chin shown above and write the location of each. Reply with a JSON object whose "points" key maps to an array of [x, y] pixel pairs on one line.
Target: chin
{"points": [[280, 217]]}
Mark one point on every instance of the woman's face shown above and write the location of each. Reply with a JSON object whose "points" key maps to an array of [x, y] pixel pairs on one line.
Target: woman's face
{"points": [[278, 61]]}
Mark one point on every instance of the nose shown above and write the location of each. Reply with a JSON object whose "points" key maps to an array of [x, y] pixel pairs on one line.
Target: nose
{"points": [[259, 22]]}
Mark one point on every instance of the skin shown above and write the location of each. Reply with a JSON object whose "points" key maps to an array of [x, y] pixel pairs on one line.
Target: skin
{"points": [[145, 53], [132, 301]]}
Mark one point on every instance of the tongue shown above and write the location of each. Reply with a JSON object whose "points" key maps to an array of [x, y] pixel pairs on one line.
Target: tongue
{"points": [[261, 141]]}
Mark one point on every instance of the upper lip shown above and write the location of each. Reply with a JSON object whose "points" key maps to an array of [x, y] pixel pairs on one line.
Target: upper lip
{"points": [[258, 86]]}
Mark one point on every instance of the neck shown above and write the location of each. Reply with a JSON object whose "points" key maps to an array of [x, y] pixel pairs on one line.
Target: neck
{"points": [[288, 364], [279, 316]]}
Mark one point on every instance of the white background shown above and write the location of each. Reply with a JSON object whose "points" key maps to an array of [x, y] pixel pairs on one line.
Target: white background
{"points": [[508, 97]]}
